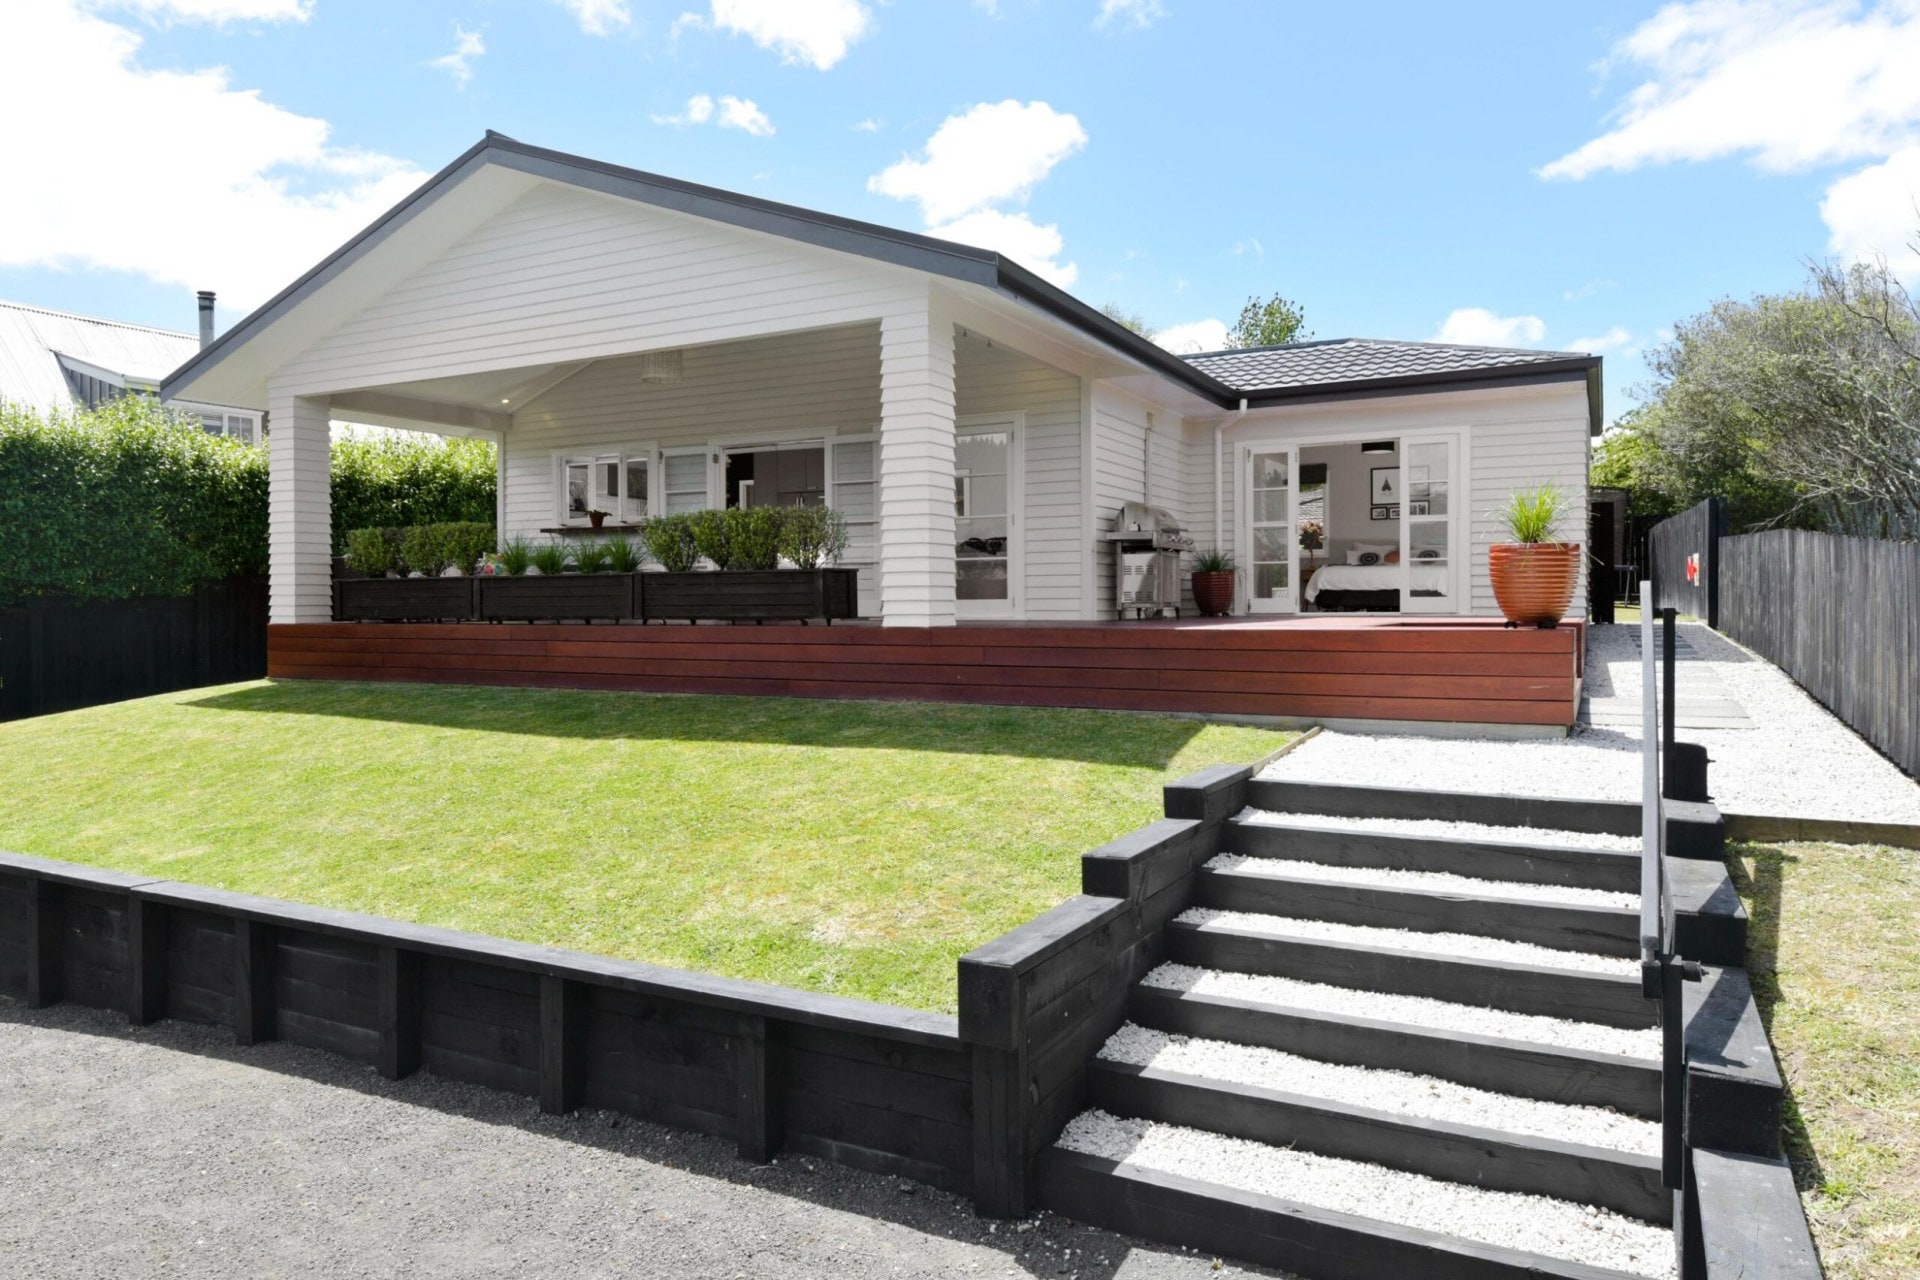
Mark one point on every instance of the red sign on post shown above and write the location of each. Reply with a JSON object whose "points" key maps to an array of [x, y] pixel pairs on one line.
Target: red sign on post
{"points": [[1693, 569]]}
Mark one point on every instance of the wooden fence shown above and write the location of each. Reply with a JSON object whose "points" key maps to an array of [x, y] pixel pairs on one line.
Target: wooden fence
{"points": [[1683, 556], [965, 1104], [57, 654], [1842, 617]]}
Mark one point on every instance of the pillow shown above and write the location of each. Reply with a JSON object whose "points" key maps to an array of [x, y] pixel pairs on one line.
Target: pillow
{"points": [[1378, 550], [1367, 557], [1427, 553], [1392, 557]]}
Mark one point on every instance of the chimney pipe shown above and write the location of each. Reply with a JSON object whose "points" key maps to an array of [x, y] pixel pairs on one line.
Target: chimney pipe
{"points": [[206, 318]]}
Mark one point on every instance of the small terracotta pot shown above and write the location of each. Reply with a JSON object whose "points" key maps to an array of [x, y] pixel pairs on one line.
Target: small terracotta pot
{"points": [[1533, 581], [1213, 593]]}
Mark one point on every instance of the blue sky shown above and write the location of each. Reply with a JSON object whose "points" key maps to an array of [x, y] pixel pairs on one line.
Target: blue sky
{"points": [[1557, 176]]}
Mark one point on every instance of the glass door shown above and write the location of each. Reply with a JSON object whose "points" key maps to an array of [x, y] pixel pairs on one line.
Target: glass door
{"points": [[1429, 524], [985, 499], [1273, 542]]}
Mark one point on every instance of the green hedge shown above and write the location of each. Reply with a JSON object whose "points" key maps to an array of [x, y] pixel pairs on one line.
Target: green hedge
{"points": [[124, 501], [128, 500]]}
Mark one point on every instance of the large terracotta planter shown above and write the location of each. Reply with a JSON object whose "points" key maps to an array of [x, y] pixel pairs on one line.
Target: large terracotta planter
{"points": [[1213, 593], [1533, 581]]}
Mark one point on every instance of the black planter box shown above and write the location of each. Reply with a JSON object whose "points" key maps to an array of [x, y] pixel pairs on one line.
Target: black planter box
{"points": [[770, 596], [541, 598], [403, 599]]}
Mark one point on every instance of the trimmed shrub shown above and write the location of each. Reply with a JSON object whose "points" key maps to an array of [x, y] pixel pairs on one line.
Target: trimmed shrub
{"points": [[753, 537], [424, 548], [126, 500], [370, 551], [671, 543], [710, 531], [465, 542], [813, 536], [394, 481]]}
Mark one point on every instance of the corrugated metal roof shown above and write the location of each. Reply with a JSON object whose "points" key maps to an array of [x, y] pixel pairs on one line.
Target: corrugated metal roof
{"points": [[1334, 361], [33, 338]]}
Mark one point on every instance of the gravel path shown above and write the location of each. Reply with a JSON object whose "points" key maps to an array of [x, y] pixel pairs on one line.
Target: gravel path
{"points": [[1799, 761], [1430, 881], [1461, 945], [166, 1151], [1530, 836], [1396, 1092], [1556, 1228], [1419, 1011]]}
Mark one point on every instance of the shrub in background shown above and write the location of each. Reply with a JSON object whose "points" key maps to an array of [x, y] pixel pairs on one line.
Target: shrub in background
{"points": [[710, 530], [753, 537], [424, 548], [813, 536], [671, 543], [465, 542], [126, 500], [395, 480], [370, 551]]}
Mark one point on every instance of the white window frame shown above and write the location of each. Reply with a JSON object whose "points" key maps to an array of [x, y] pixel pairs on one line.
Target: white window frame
{"points": [[708, 455], [619, 456], [870, 554], [1015, 426]]}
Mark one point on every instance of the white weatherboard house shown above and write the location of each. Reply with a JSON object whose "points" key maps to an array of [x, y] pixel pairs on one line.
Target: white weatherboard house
{"points": [[640, 345]]}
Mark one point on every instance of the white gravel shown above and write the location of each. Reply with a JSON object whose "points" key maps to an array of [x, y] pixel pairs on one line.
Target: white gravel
{"points": [[1419, 1011], [1529, 836], [1799, 761], [1451, 945], [1430, 881], [1394, 1092], [1534, 1224]]}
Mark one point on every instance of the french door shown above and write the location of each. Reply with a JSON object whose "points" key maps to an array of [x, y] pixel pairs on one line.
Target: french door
{"points": [[1430, 524], [1269, 567], [986, 506]]}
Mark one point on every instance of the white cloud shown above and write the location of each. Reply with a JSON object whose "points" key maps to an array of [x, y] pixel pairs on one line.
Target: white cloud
{"points": [[254, 194], [1479, 327], [1875, 214], [869, 125], [1588, 289], [816, 33], [1130, 13], [990, 153], [599, 17], [1241, 248], [726, 111], [1201, 335], [216, 11], [467, 45], [1614, 339], [1033, 246]]}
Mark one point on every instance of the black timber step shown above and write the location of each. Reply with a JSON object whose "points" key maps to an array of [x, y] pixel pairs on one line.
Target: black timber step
{"points": [[1498, 1161], [1546, 1072], [1611, 931], [1317, 1244], [1579, 995], [1543, 863]]}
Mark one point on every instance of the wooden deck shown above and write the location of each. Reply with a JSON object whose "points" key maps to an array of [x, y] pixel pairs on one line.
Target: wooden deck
{"points": [[1365, 667]]}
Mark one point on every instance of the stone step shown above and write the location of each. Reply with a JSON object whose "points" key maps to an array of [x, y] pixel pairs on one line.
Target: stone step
{"points": [[1584, 920]]}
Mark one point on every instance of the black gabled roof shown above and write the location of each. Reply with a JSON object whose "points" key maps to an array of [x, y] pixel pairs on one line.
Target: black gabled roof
{"points": [[1227, 378]]}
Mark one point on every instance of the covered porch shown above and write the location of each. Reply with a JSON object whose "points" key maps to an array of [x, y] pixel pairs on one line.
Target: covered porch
{"points": [[1314, 668]]}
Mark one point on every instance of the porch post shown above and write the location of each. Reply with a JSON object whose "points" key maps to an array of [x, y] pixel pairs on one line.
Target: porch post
{"points": [[299, 511], [916, 469]]}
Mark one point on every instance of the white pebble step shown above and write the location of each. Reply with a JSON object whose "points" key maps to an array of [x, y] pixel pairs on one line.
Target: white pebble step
{"points": [[1394, 1092], [1504, 1219], [1455, 946], [1451, 830], [1418, 1011], [1429, 881]]}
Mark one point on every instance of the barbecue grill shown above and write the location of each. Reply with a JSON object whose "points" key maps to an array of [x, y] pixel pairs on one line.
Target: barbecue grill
{"points": [[1147, 545]]}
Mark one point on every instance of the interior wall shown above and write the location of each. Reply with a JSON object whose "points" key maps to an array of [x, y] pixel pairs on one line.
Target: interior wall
{"points": [[1350, 498]]}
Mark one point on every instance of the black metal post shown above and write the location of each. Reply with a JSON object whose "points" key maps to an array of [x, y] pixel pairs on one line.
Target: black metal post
{"points": [[1667, 710]]}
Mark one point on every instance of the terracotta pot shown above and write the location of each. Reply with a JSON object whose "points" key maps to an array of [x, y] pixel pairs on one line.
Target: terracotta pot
{"points": [[1213, 593], [1533, 581]]}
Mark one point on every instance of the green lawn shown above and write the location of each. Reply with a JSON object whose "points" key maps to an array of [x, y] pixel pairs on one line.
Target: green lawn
{"points": [[1834, 952], [849, 847]]}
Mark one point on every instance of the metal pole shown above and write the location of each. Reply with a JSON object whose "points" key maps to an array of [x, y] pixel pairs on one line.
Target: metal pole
{"points": [[1649, 794], [1667, 617]]}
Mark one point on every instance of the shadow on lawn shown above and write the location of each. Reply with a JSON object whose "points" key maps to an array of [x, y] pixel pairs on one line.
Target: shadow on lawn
{"points": [[1124, 739], [1761, 886], [1042, 1249]]}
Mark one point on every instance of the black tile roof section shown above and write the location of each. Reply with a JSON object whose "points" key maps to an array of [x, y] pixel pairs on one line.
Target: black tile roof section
{"points": [[1342, 362]]}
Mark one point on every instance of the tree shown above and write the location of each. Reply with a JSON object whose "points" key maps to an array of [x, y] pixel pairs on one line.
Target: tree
{"points": [[1268, 324], [1127, 319]]}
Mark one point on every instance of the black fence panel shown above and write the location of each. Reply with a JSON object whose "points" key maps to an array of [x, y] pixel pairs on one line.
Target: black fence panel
{"points": [[56, 655], [1683, 552], [1839, 615]]}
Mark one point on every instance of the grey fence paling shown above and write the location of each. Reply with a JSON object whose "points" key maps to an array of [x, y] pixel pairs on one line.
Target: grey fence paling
{"points": [[963, 1104], [1842, 617], [58, 654], [1672, 543]]}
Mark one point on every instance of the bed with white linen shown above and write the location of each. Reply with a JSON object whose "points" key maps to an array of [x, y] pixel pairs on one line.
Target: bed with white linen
{"points": [[1348, 580]]}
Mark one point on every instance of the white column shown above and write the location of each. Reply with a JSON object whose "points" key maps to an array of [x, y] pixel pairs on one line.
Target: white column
{"points": [[299, 511], [916, 469]]}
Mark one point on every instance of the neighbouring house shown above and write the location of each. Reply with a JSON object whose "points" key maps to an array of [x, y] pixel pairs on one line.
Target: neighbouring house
{"points": [[51, 360], [640, 345]]}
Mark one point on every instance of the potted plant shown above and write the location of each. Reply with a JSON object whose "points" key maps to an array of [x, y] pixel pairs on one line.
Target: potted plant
{"points": [[430, 564], [1533, 574], [579, 580], [597, 518], [746, 584], [1213, 573]]}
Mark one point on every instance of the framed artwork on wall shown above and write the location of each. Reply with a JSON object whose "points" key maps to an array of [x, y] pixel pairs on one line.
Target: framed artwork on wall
{"points": [[1380, 513], [1417, 508], [1385, 485]]}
